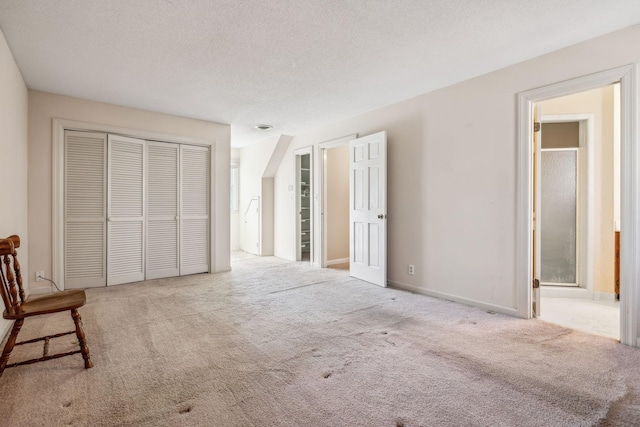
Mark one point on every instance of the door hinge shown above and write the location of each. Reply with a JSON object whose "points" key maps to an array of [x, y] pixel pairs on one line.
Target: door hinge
{"points": [[536, 126], [536, 283]]}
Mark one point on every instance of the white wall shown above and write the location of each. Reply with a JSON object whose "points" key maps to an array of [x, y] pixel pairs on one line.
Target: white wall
{"points": [[43, 107], [253, 162], [14, 155], [452, 174]]}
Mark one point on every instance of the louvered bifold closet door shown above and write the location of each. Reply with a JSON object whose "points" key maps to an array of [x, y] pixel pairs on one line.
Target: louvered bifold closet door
{"points": [[194, 209], [125, 221], [85, 209], [162, 210]]}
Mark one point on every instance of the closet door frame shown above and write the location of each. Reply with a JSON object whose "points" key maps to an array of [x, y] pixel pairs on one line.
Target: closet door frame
{"points": [[59, 126]]}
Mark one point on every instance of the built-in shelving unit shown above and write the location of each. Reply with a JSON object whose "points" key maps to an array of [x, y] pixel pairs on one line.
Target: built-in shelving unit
{"points": [[304, 197]]}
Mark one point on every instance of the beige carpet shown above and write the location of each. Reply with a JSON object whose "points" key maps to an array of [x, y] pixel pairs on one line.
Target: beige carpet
{"points": [[275, 343]]}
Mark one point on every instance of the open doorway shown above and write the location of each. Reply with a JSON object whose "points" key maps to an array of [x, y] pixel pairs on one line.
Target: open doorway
{"points": [[367, 205], [528, 292], [334, 206], [304, 204], [578, 208]]}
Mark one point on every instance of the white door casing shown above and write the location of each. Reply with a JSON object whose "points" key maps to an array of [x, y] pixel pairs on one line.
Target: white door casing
{"points": [[629, 199], [126, 210], [368, 208]]}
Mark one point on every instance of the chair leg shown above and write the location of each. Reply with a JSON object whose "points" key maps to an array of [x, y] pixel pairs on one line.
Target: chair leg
{"points": [[11, 342], [84, 348]]}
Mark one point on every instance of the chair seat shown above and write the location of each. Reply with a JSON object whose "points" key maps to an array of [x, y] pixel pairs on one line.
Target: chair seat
{"points": [[54, 303]]}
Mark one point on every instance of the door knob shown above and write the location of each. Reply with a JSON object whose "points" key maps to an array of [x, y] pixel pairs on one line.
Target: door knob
{"points": [[381, 216]]}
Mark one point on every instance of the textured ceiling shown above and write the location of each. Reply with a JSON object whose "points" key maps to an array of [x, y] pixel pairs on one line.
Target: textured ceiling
{"points": [[294, 64]]}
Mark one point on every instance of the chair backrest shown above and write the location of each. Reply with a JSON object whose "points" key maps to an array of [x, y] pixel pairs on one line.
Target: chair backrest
{"points": [[10, 275]]}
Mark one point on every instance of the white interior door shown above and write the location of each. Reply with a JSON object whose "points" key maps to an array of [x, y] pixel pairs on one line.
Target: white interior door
{"points": [[162, 210], [194, 209], [537, 218], [85, 211], [368, 208], [125, 201]]}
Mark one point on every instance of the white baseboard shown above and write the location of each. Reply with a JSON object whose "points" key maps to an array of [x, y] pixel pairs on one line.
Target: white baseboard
{"points": [[337, 261], [604, 296], [40, 290], [461, 300], [577, 293], [564, 292]]}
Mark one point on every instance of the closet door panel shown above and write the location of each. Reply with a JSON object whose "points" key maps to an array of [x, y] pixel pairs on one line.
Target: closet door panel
{"points": [[85, 209], [194, 209], [125, 239], [85, 254], [162, 210], [195, 254], [125, 201]]}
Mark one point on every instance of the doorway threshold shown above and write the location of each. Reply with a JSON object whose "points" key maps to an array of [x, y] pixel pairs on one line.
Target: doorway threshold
{"points": [[565, 292]]}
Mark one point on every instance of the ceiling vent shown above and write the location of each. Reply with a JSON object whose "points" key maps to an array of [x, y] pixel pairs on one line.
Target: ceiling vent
{"points": [[263, 127]]}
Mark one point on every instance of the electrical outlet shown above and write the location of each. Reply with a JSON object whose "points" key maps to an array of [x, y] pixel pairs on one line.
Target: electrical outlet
{"points": [[39, 276], [411, 269]]}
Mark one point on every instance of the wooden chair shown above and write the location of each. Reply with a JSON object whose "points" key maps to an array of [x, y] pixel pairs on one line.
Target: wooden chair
{"points": [[18, 308]]}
